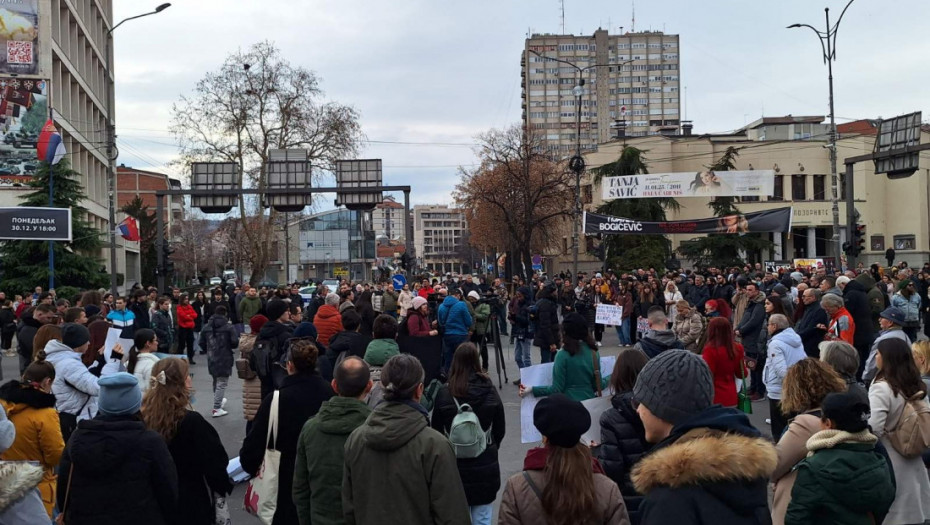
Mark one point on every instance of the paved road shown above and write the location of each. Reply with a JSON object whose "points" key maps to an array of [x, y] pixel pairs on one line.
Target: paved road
{"points": [[231, 428]]}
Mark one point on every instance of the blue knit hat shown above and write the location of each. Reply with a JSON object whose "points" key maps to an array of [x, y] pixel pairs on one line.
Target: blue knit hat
{"points": [[120, 395]]}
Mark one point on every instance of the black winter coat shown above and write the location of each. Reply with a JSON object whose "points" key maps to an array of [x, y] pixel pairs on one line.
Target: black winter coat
{"points": [[811, 336], [697, 296], [352, 343], [278, 334], [623, 443], [199, 457], [210, 308], [199, 307], [300, 399], [226, 337], [161, 324], [750, 326], [856, 299], [25, 334], [481, 476], [122, 474], [547, 325], [141, 311]]}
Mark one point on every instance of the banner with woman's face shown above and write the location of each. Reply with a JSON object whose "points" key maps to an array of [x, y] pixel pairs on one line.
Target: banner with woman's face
{"points": [[775, 220]]}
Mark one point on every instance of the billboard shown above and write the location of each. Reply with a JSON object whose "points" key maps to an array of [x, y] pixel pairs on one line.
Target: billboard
{"points": [[19, 37], [23, 112], [706, 183], [25, 223], [776, 220]]}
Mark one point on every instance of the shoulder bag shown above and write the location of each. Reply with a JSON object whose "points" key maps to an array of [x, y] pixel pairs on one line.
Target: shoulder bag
{"points": [[60, 519], [261, 498]]}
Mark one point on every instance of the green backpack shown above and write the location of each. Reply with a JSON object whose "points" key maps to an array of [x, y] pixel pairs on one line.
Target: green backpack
{"points": [[468, 439]]}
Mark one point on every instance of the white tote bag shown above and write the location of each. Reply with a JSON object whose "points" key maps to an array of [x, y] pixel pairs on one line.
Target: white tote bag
{"points": [[261, 498]]}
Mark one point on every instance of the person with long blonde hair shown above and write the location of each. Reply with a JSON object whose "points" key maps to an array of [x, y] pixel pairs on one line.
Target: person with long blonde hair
{"points": [[921, 351], [194, 444]]}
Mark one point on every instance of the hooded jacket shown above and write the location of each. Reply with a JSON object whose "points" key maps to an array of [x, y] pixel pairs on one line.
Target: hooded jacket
{"points": [[453, 317], [856, 301], [164, 329], [249, 307], [845, 482], [225, 338], [784, 349], [654, 342], [811, 336], [317, 488], [623, 444], [328, 322], [25, 334], [547, 326], [75, 388], [425, 486], [750, 325], [875, 296], [117, 457], [521, 506], [300, 398], [20, 503], [481, 476], [712, 468], [38, 433], [380, 350]]}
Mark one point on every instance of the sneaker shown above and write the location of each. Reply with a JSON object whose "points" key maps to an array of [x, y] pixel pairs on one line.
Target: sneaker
{"points": [[757, 397], [219, 413], [598, 343], [516, 382], [223, 404], [768, 421]]}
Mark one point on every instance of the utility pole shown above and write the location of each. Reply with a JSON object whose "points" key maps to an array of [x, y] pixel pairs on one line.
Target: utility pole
{"points": [[828, 47]]}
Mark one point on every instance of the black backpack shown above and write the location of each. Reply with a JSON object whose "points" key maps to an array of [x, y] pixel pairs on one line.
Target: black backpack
{"points": [[264, 355]]}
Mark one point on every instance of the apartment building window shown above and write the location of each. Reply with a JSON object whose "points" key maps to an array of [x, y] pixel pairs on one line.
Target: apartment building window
{"points": [[905, 242], [820, 193], [799, 187], [779, 193]]}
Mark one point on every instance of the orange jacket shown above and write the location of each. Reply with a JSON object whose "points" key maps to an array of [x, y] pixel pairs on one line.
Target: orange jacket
{"points": [[842, 327]]}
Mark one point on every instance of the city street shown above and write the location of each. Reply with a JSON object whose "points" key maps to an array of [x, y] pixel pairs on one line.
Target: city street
{"points": [[231, 428]]}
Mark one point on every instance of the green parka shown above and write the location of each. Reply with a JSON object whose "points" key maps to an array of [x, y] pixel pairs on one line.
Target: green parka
{"points": [[317, 489]]}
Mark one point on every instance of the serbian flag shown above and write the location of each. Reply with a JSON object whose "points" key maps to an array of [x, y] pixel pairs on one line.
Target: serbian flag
{"points": [[129, 229], [50, 147]]}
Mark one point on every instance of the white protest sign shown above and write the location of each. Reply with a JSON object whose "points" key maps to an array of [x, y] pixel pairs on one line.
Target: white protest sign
{"points": [[609, 314], [541, 375], [112, 338], [596, 406]]}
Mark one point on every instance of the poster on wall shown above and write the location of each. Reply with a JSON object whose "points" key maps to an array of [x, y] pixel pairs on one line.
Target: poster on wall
{"points": [[23, 113], [19, 37], [707, 183], [776, 220]]}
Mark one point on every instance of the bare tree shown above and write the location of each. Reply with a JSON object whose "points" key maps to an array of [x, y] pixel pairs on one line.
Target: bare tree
{"points": [[516, 198], [257, 101]]}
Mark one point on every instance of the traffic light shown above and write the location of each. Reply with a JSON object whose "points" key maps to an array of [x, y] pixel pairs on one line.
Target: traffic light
{"points": [[858, 245], [404, 260], [168, 263]]}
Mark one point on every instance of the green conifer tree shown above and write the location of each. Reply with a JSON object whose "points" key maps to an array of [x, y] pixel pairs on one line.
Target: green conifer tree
{"points": [[25, 263]]}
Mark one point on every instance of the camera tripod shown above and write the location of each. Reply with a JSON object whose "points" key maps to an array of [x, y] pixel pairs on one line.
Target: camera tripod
{"points": [[493, 336]]}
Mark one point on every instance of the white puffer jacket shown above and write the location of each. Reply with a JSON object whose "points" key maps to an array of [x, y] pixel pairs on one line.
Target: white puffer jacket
{"points": [[143, 371], [75, 388], [784, 350]]}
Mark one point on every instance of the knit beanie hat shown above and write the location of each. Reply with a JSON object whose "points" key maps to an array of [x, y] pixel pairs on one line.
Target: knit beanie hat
{"points": [[903, 284], [675, 385], [305, 329], [275, 309], [561, 419], [120, 395], [257, 322], [74, 335], [418, 302], [7, 431], [575, 326], [846, 412]]}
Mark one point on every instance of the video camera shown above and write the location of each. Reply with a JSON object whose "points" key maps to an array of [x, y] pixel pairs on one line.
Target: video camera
{"points": [[490, 298]]}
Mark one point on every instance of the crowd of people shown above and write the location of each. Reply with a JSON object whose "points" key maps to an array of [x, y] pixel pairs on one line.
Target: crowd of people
{"points": [[364, 431]]}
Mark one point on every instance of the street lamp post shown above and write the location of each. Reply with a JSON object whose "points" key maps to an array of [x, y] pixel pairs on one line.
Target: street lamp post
{"points": [[828, 47], [576, 164], [111, 146]]}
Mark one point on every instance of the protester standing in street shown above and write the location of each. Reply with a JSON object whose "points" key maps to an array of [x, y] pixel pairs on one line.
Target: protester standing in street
{"points": [[142, 356], [195, 446], [186, 318], [574, 373], [218, 341], [561, 483], [784, 349]]}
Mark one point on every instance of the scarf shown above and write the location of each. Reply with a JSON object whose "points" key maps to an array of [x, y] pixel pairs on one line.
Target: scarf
{"points": [[832, 437]]}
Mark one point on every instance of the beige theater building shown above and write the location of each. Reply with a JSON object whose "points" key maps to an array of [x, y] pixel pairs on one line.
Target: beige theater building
{"points": [[896, 213]]}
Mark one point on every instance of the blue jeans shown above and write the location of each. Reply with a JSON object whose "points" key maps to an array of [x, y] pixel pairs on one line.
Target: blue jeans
{"points": [[623, 332], [546, 355], [481, 514], [449, 343], [521, 353]]}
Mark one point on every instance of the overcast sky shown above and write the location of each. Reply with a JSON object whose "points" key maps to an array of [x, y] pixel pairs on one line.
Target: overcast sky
{"points": [[440, 72]]}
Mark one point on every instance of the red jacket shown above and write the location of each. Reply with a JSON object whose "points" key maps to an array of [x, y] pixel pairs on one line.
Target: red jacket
{"points": [[186, 316], [328, 322], [417, 325], [725, 372], [425, 292]]}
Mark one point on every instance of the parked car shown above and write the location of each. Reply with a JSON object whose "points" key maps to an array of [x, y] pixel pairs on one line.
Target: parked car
{"points": [[215, 281], [306, 293], [331, 284]]}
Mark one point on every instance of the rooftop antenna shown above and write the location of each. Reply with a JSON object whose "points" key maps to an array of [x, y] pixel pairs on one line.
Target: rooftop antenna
{"points": [[633, 24], [562, 2]]}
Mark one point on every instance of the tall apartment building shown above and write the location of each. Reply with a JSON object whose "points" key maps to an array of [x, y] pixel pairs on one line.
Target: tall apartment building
{"points": [[387, 220], [439, 238], [636, 80]]}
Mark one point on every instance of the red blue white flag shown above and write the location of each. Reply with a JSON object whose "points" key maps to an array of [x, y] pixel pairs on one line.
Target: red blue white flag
{"points": [[129, 229], [50, 147]]}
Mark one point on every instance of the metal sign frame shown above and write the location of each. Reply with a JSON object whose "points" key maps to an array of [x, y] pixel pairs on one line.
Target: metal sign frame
{"points": [[893, 145], [357, 174], [209, 176]]}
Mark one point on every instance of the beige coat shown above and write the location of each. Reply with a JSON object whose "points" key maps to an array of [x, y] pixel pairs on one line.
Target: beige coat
{"points": [[791, 448], [251, 388], [688, 328], [520, 505]]}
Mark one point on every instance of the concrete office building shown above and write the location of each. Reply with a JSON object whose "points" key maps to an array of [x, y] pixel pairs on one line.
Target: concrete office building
{"points": [[439, 238], [387, 220], [896, 213], [638, 83]]}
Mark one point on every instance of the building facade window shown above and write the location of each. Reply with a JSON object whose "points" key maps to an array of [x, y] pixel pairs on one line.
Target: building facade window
{"points": [[877, 242], [905, 242], [820, 193], [779, 193], [798, 187]]}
